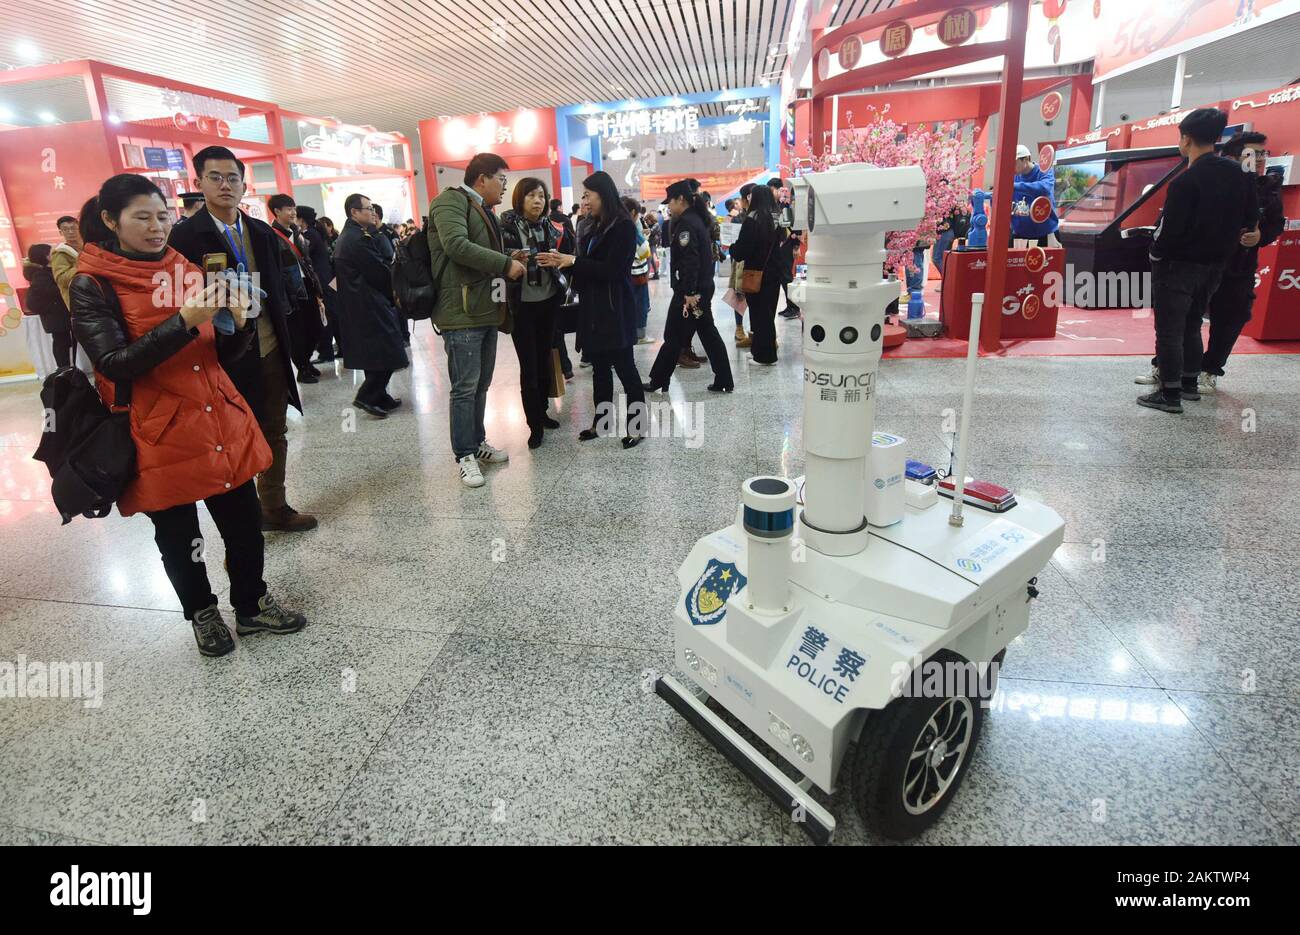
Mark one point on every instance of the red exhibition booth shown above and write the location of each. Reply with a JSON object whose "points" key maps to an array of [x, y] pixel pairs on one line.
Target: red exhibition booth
{"points": [[1027, 309], [525, 138]]}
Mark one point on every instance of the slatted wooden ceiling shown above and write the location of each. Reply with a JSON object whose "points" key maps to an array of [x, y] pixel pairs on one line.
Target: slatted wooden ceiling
{"points": [[393, 62]]}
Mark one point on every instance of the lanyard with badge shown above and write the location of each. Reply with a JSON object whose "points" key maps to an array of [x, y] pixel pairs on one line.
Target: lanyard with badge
{"points": [[236, 241]]}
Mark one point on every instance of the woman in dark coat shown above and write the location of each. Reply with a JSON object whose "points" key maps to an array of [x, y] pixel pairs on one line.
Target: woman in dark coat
{"points": [[758, 246], [373, 331], [45, 300], [607, 306]]}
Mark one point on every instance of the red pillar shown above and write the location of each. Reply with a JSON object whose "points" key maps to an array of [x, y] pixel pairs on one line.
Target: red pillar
{"points": [[817, 123], [1080, 106], [1013, 74]]}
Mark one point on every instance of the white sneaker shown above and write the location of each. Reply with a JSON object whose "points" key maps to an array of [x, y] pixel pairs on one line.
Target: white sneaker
{"points": [[1207, 383], [470, 475], [491, 455], [1149, 379]]}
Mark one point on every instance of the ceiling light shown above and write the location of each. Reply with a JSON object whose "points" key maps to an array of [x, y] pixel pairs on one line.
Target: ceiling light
{"points": [[46, 116], [27, 50], [6, 114], [114, 119]]}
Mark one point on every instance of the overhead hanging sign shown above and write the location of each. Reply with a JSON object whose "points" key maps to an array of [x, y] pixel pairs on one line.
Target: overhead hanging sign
{"points": [[623, 124]]}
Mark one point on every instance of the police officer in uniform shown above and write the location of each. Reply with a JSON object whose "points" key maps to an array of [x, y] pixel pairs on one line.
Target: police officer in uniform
{"points": [[690, 311]]}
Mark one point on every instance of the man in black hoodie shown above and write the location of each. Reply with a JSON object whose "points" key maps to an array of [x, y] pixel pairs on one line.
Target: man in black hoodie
{"points": [[1209, 207], [1232, 301]]}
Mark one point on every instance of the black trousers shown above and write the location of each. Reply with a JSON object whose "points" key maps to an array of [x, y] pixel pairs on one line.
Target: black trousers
{"points": [[62, 348], [330, 332], [762, 318], [678, 333], [789, 306], [374, 388], [604, 364], [238, 516], [534, 337], [304, 333], [1180, 292], [1230, 308]]}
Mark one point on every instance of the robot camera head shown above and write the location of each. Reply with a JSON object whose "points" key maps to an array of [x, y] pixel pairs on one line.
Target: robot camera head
{"points": [[856, 199]]}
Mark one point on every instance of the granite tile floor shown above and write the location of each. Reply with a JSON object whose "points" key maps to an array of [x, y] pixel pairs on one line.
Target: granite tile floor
{"points": [[478, 663]]}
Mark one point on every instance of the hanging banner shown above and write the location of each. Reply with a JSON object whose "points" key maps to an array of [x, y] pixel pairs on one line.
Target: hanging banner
{"points": [[716, 184]]}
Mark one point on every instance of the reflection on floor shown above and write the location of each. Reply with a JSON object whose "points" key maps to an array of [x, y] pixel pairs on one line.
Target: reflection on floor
{"points": [[476, 664]]}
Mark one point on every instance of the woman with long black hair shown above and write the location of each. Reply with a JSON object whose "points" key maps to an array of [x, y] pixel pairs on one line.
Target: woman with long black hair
{"points": [[758, 246], [608, 311]]}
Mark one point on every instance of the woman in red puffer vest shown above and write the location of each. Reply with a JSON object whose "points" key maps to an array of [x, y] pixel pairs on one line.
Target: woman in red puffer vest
{"points": [[143, 325]]}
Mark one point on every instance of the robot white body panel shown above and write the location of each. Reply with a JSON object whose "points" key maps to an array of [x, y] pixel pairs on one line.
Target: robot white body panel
{"points": [[802, 619], [894, 604]]}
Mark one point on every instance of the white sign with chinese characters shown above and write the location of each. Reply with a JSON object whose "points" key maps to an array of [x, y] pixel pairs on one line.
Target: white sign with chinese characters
{"points": [[623, 124], [821, 663]]}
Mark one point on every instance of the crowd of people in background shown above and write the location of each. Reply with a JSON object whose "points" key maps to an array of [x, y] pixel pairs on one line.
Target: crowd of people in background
{"points": [[208, 375]]}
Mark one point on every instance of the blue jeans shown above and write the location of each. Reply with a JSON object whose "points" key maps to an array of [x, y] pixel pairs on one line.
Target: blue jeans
{"points": [[916, 278], [471, 358], [941, 247]]}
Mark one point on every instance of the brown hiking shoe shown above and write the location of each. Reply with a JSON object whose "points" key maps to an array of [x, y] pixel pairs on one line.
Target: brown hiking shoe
{"points": [[687, 361], [287, 519]]}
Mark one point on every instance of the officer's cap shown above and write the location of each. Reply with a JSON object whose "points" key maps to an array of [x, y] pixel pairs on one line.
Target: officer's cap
{"points": [[679, 189]]}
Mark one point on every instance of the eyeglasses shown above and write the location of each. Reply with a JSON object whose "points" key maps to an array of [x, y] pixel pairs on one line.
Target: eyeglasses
{"points": [[502, 179], [232, 180]]}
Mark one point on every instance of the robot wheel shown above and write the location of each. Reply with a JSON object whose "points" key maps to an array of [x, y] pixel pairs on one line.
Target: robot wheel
{"points": [[911, 759]]}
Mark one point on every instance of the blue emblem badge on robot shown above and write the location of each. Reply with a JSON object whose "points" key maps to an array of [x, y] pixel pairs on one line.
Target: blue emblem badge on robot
{"points": [[706, 601]]}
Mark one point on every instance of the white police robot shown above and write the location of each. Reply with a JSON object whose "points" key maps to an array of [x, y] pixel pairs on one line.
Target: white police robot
{"points": [[853, 607]]}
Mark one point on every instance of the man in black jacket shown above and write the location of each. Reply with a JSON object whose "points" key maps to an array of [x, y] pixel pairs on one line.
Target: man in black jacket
{"points": [[372, 323], [222, 234], [318, 252], [1231, 303], [301, 286], [1208, 209]]}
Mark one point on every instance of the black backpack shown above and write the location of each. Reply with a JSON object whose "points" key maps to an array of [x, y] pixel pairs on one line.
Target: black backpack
{"points": [[86, 446], [415, 287], [413, 283]]}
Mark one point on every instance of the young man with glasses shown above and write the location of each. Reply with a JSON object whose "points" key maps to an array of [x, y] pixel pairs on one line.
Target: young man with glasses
{"points": [[465, 247], [223, 236]]}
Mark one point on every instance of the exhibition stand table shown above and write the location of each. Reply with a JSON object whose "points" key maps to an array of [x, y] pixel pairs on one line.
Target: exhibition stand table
{"points": [[1028, 309]]}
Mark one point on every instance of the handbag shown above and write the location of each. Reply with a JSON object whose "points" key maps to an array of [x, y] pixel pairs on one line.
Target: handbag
{"points": [[556, 390], [751, 280], [87, 446]]}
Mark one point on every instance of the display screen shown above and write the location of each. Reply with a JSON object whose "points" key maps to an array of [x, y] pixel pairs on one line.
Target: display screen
{"points": [[1116, 191], [1073, 181]]}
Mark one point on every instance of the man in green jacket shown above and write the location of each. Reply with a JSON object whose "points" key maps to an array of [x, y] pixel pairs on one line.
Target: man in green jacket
{"points": [[465, 245]]}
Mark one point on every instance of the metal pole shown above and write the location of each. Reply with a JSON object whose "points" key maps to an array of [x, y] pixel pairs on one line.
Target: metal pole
{"points": [[972, 355]]}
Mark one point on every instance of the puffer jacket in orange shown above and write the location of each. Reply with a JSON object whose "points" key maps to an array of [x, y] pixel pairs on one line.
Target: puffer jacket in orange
{"points": [[195, 436]]}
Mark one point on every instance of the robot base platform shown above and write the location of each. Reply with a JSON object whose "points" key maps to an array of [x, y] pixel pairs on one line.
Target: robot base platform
{"points": [[895, 649]]}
